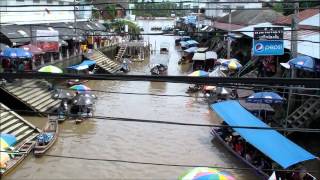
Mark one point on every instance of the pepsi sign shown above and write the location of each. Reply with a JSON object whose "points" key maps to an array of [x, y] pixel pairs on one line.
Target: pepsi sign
{"points": [[265, 48], [268, 41]]}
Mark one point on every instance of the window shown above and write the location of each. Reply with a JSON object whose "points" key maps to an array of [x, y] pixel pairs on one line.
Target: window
{"points": [[20, 0], [36, 1], [49, 1], [226, 8], [60, 2], [240, 7]]}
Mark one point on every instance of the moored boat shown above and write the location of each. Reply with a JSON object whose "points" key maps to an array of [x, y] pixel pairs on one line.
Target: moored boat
{"points": [[19, 154], [259, 146], [47, 138]]}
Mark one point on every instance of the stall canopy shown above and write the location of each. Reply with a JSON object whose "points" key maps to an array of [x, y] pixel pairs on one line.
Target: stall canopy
{"points": [[14, 34], [211, 55], [84, 65], [270, 142], [192, 42], [202, 49], [191, 50], [199, 57]]}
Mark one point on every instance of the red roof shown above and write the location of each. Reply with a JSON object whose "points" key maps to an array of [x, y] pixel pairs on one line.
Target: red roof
{"points": [[225, 26], [286, 20]]}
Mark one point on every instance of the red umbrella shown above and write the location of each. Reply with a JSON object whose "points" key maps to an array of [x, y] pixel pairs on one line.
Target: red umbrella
{"points": [[33, 49]]}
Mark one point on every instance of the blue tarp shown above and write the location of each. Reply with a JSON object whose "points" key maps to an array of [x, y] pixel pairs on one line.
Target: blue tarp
{"points": [[84, 65], [270, 142]]}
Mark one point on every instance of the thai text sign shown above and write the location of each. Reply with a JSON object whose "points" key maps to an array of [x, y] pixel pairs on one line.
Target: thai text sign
{"points": [[48, 40], [268, 41]]}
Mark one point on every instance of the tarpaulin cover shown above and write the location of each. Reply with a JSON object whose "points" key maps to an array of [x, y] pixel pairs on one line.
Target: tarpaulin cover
{"points": [[270, 142]]}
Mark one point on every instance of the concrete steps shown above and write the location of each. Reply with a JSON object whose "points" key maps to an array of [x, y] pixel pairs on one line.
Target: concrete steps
{"points": [[33, 93], [104, 63], [12, 123], [305, 114]]}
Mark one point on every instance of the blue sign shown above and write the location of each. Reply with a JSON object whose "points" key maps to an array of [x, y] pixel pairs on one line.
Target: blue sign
{"points": [[266, 48]]}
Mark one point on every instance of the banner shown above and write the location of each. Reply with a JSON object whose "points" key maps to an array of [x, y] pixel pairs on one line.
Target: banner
{"points": [[48, 40], [268, 41], [49, 46]]}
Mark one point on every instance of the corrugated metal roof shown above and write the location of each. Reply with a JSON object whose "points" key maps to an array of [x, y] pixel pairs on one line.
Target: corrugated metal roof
{"points": [[287, 20], [312, 21], [225, 26]]}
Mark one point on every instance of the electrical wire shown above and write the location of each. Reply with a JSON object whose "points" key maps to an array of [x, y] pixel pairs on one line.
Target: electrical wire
{"points": [[155, 9], [134, 120], [155, 2], [168, 164], [246, 87], [308, 82]]}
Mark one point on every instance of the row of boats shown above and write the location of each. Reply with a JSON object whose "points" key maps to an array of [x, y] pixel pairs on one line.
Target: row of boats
{"points": [[39, 146]]}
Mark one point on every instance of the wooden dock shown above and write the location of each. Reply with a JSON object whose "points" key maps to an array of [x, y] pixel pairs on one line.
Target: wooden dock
{"points": [[33, 93], [14, 124], [103, 62]]}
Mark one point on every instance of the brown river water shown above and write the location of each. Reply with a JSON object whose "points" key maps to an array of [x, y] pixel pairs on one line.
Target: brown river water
{"points": [[133, 141]]}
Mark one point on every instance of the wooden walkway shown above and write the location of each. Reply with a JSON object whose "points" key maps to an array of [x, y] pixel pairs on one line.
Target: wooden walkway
{"points": [[14, 124], [33, 93], [103, 62]]}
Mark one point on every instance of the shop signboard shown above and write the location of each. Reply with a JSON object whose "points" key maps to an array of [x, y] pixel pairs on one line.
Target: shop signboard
{"points": [[268, 41], [48, 40]]}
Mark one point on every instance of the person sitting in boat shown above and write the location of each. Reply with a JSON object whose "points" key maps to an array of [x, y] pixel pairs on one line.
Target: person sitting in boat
{"points": [[248, 156], [239, 147]]}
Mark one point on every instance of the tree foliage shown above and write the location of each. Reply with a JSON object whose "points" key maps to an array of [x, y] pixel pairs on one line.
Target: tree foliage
{"points": [[155, 9], [287, 8]]}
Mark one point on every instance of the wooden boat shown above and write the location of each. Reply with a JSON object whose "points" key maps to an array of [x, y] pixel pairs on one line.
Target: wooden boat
{"points": [[20, 154], [52, 127], [72, 82], [216, 135]]}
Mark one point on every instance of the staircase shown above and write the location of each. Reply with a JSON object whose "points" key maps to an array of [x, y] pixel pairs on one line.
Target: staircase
{"points": [[120, 53], [305, 114], [12, 123], [33, 93], [103, 62]]}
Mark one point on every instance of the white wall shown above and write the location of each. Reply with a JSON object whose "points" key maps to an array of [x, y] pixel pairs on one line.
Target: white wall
{"points": [[38, 14], [219, 13]]}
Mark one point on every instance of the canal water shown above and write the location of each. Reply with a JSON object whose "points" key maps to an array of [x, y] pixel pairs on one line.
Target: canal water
{"points": [[132, 141]]}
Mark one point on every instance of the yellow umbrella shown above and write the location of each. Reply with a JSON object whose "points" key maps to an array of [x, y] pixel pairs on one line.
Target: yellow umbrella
{"points": [[4, 158], [3, 144]]}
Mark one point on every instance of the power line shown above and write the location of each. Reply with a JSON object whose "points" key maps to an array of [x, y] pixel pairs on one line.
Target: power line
{"points": [[153, 34], [166, 164], [309, 82], [134, 120], [247, 87], [155, 2], [156, 9]]}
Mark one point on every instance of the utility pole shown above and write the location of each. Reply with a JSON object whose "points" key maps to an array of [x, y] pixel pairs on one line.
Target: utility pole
{"points": [[228, 36], [294, 53], [75, 25]]}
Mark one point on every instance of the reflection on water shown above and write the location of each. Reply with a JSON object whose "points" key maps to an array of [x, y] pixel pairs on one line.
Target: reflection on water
{"points": [[158, 143]]}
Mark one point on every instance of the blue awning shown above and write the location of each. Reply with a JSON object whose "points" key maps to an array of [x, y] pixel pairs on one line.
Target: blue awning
{"points": [[84, 65], [183, 44], [192, 42], [88, 62], [270, 142]]}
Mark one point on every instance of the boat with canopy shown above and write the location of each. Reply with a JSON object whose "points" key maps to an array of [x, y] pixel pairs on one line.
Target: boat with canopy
{"points": [[268, 142]]}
